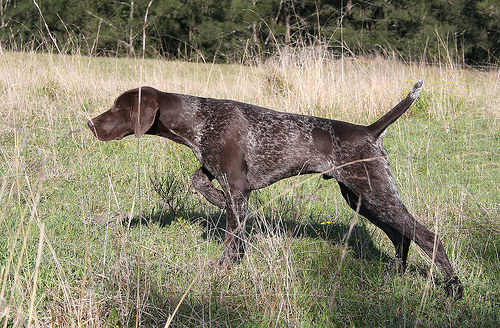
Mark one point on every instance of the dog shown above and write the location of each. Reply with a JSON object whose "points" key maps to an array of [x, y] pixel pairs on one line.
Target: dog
{"points": [[245, 147]]}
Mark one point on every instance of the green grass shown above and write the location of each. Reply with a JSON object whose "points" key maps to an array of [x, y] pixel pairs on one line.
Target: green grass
{"points": [[97, 270]]}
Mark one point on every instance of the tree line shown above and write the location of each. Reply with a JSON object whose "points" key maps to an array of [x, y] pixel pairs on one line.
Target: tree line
{"points": [[464, 31]]}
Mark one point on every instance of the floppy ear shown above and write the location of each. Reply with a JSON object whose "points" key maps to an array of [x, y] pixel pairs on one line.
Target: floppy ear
{"points": [[143, 111]]}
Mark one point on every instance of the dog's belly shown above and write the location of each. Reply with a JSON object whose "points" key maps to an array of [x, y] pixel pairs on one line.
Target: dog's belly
{"points": [[268, 169]]}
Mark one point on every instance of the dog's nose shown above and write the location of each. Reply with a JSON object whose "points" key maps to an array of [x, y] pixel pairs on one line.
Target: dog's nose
{"points": [[90, 124]]}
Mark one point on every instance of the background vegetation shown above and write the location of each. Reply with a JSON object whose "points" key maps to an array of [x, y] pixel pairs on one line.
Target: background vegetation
{"points": [[96, 234], [73, 252], [251, 30]]}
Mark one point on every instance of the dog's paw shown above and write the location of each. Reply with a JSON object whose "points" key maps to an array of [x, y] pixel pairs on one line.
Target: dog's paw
{"points": [[454, 288], [399, 266]]}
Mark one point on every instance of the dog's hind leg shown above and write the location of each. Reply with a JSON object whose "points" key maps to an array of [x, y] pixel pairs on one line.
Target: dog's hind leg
{"points": [[401, 242], [382, 205], [430, 243]]}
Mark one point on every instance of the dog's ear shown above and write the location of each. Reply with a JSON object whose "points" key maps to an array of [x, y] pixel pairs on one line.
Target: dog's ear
{"points": [[144, 107]]}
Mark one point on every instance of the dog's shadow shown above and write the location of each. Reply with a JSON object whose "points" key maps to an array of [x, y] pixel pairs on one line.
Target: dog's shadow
{"points": [[176, 204], [360, 241]]}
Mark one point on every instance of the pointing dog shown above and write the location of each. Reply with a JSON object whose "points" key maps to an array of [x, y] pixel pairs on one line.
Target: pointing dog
{"points": [[245, 147]]}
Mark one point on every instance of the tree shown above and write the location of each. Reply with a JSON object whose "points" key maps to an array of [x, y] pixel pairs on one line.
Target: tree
{"points": [[228, 30]]}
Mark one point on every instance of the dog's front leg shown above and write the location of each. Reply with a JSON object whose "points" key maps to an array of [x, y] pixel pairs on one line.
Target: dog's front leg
{"points": [[202, 181], [236, 207]]}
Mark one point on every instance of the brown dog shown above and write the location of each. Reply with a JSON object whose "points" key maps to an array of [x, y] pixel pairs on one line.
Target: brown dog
{"points": [[246, 147]]}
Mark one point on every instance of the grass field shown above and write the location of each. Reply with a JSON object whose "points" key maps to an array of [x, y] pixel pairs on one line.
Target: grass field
{"points": [[71, 257]]}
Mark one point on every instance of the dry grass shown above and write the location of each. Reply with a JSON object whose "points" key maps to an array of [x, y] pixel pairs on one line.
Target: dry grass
{"points": [[352, 87], [58, 270]]}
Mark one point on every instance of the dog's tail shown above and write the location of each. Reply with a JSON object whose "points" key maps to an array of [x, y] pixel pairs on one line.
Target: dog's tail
{"points": [[378, 128]]}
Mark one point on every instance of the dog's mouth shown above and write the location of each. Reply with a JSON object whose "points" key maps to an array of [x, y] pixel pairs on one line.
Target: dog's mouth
{"points": [[99, 135], [93, 128], [103, 135]]}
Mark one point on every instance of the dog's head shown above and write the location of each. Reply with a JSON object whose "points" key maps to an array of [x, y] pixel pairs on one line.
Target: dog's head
{"points": [[133, 112]]}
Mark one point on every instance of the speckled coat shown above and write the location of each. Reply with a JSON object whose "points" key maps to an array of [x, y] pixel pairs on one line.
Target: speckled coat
{"points": [[246, 147]]}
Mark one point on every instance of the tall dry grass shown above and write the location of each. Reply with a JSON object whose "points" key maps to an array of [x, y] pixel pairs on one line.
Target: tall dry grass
{"points": [[363, 87], [45, 147]]}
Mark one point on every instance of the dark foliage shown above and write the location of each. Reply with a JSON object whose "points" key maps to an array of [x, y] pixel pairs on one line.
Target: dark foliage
{"points": [[462, 31]]}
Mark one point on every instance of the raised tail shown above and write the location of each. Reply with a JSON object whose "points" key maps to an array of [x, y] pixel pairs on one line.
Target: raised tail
{"points": [[378, 128]]}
